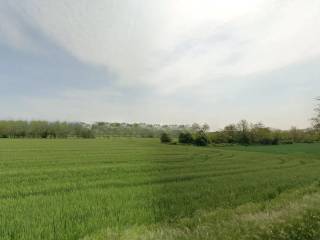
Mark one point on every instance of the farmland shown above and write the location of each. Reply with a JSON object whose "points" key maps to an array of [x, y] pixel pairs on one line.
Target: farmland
{"points": [[137, 188]]}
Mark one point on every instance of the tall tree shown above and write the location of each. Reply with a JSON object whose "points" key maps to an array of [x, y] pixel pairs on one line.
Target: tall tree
{"points": [[195, 127], [205, 127], [244, 132]]}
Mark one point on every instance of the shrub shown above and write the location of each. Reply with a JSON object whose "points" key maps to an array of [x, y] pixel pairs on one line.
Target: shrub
{"points": [[165, 138], [275, 141], [201, 139], [265, 141], [244, 139], [86, 133], [185, 138], [269, 141]]}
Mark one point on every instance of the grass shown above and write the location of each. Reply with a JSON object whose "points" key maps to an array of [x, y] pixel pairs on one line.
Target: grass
{"points": [[127, 188]]}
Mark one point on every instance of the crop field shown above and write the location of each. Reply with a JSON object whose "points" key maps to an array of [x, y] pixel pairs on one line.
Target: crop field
{"points": [[135, 188]]}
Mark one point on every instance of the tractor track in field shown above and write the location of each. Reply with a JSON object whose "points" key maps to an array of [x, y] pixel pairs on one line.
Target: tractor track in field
{"points": [[119, 184]]}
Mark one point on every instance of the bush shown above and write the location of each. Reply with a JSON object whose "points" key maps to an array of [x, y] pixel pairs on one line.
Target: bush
{"points": [[165, 138], [265, 141], [201, 139], [185, 138], [269, 141], [244, 139], [275, 141], [86, 133]]}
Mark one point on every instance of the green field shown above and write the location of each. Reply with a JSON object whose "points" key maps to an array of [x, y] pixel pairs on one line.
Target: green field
{"points": [[122, 188]]}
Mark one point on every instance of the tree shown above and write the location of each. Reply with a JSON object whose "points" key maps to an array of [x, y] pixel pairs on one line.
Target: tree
{"points": [[294, 134], [165, 138], [262, 135], [185, 137], [201, 139], [243, 132], [316, 119], [205, 127], [195, 127], [230, 133]]}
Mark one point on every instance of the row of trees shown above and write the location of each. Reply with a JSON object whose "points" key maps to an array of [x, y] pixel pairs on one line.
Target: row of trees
{"points": [[246, 133], [242, 132], [104, 129], [44, 129]]}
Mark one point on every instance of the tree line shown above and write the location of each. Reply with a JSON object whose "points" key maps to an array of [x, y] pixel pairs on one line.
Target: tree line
{"points": [[246, 133], [46, 129], [241, 133], [105, 129]]}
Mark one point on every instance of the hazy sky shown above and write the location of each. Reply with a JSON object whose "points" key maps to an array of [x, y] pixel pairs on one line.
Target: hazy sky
{"points": [[168, 61]]}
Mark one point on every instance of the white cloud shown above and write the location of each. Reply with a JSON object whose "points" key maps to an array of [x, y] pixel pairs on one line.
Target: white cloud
{"points": [[11, 32], [176, 43], [171, 45]]}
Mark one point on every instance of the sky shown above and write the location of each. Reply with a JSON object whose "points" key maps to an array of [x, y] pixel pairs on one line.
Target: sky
{"points": [[168, 61]]}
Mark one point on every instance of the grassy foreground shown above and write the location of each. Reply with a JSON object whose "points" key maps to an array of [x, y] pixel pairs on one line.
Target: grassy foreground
{"points": [[140, 189]]}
